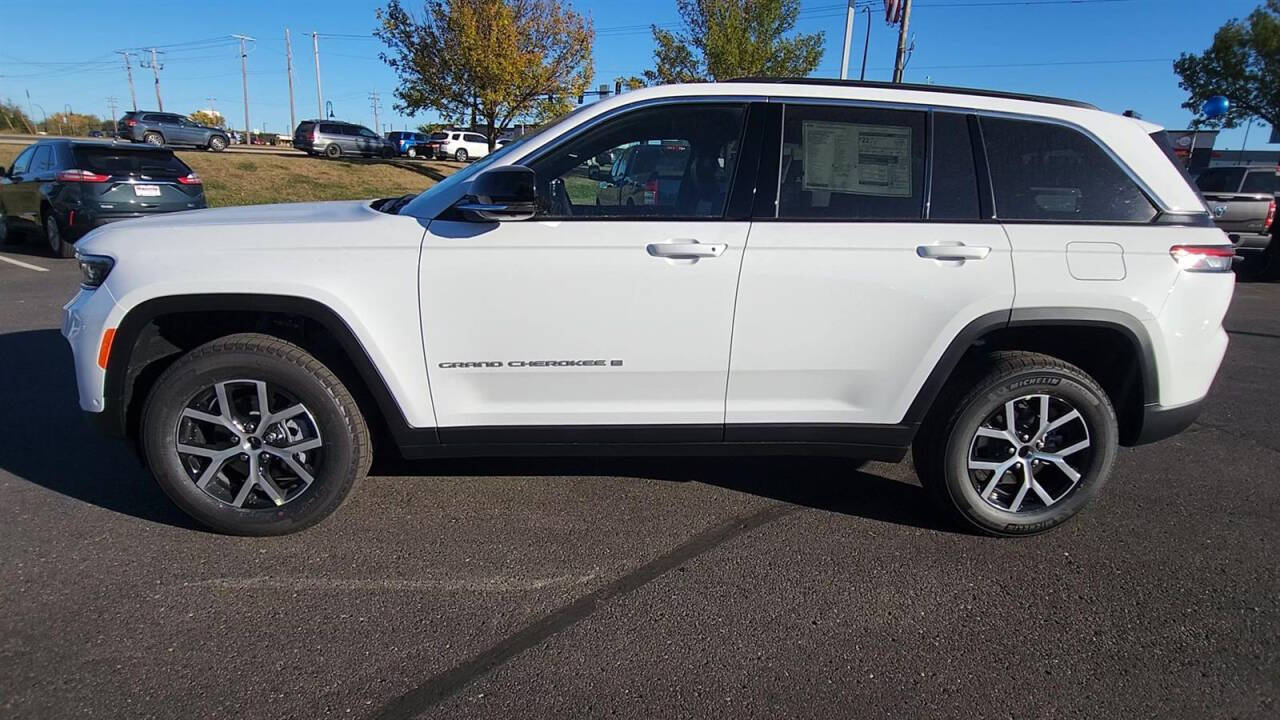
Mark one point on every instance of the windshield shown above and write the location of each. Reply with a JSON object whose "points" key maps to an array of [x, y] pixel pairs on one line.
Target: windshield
{"points": [[470, 171]]}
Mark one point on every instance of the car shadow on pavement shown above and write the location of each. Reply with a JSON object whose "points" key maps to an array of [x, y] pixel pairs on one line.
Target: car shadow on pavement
{"points": [[29, 244], [836, 485], [45, 441]]}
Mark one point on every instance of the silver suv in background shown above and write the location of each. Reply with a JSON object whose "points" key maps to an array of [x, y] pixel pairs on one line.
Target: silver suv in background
{"points": [[334, 139], [1242, 200]]}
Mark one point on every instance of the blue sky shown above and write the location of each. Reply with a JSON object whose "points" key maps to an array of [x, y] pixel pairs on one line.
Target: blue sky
{"points": [[1116, 54]]}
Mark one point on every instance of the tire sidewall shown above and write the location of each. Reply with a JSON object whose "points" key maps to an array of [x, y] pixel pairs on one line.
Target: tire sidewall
{"points": [[332, 483], [1103, 435], [217, 144], [333, 151]]}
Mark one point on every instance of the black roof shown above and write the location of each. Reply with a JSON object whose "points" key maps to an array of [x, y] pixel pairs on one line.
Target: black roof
{"points": [[916, 86]]}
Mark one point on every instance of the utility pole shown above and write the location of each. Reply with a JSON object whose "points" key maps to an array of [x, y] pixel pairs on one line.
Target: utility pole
{"points": [[244, 84], [156, 67], [111, 106], [373, 102], [315, 48], [848, 38], [899, 60], [133, 99], [288, 60], [866, 43]]}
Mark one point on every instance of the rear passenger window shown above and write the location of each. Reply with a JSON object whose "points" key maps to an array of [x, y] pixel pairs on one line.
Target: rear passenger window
{"points": [[954, 193], [1049, 172], [328, 129], [43, 160], [852, 164]]}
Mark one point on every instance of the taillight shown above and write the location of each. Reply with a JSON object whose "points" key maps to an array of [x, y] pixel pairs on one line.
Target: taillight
{"points": [[192, 179], [130, 122], [315, 135], [1271, 215], [1203, 258], [81, 176]]}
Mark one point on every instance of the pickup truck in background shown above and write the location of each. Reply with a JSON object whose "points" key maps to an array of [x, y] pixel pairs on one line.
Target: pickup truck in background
{"points": [[1242, 201]]}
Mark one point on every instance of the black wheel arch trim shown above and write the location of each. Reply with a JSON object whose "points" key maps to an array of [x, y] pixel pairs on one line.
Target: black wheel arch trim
{"points": [[1127, 325], [120, 373]]}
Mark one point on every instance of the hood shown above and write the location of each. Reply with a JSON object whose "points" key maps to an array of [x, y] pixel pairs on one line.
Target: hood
{"points": [[256, 226]]}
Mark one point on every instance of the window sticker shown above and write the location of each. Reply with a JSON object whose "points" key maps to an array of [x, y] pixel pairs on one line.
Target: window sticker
{"points": [[857, 159]]}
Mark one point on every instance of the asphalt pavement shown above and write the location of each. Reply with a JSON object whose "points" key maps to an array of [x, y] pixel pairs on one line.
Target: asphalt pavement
{"points": [[634, 588]]}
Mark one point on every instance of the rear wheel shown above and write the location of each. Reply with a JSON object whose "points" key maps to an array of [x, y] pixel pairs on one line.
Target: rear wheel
{"points": [[153, 138], [217, 143], [1022, 451], [251, 435], [333, 151], [460, 155], [53, 235], [411, 152]]}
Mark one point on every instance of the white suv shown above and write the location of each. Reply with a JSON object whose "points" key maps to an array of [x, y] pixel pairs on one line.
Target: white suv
{"points": [[462, 146], [1010, 286]]}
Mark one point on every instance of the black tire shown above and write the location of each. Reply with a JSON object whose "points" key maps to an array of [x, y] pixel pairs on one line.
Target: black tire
{"points": [[412, 152], [7, 236], [332, 151], [460, 155], [217, 143], [58, 245], [941, 451], [347, 450], [1260, 267], [153, 138]]}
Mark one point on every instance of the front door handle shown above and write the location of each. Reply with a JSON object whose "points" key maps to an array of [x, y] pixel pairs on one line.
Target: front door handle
{"points": [[686, 249], [958, 251]]}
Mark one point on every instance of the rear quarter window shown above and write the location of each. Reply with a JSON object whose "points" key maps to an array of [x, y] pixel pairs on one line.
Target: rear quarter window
{"points": [[1046, 173]]}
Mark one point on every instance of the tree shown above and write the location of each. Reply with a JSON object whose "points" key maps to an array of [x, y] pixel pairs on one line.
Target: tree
{"points": [[15, 119], [723, 39], [63, 123], [1243, 64], [495, 60], [208, 118]]}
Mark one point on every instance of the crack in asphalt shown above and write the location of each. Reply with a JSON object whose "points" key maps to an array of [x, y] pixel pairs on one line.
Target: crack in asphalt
{"points": [[443, 685]]}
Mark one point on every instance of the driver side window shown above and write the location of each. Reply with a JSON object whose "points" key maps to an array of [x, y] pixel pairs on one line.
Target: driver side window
{"points": [[669, 162]]}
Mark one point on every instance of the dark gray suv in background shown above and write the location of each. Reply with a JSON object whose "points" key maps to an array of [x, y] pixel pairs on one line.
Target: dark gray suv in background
{"points": [[158, 128], [332, 138]]}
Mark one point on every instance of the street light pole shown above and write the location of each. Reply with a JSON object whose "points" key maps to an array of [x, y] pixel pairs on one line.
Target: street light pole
{"points": [[315, 48], [866, 43]]}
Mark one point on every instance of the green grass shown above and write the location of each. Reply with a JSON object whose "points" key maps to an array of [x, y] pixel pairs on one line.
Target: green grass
{"points": [[232, 178]]}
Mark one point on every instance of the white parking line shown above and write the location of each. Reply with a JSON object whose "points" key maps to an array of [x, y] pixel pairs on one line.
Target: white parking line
{"points": [[19, 263]]}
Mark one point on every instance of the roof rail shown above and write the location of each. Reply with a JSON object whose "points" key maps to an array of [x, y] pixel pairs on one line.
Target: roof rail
{"points": [[915, 86]]}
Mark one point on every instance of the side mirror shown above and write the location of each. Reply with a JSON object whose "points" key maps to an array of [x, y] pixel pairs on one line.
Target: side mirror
{"points": [[501, 194]]}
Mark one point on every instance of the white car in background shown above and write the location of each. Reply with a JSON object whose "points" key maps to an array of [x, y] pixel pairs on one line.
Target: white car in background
{"points": [[462, 146]]}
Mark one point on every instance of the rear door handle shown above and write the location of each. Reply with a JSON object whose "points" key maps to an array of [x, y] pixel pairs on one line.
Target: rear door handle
{"points": [[957, 251], [686, 249]]}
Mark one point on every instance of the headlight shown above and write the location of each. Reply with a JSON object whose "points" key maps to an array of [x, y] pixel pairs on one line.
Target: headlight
{"points": [[94, 269]]}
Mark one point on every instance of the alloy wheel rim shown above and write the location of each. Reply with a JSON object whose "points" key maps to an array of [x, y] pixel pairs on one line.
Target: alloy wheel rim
{"points": [[1029, 454], [249, 444]]}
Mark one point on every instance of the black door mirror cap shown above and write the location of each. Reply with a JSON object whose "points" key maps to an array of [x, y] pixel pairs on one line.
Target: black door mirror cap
{"points": [[501, 194]]}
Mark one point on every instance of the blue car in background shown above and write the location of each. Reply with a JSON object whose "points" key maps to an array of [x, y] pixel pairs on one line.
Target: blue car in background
{"points": [[409, 143]]}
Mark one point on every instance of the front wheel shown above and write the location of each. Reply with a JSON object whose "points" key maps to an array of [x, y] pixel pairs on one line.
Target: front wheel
{"points": [[411, 152], [1022, 451], [251, 435]]}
